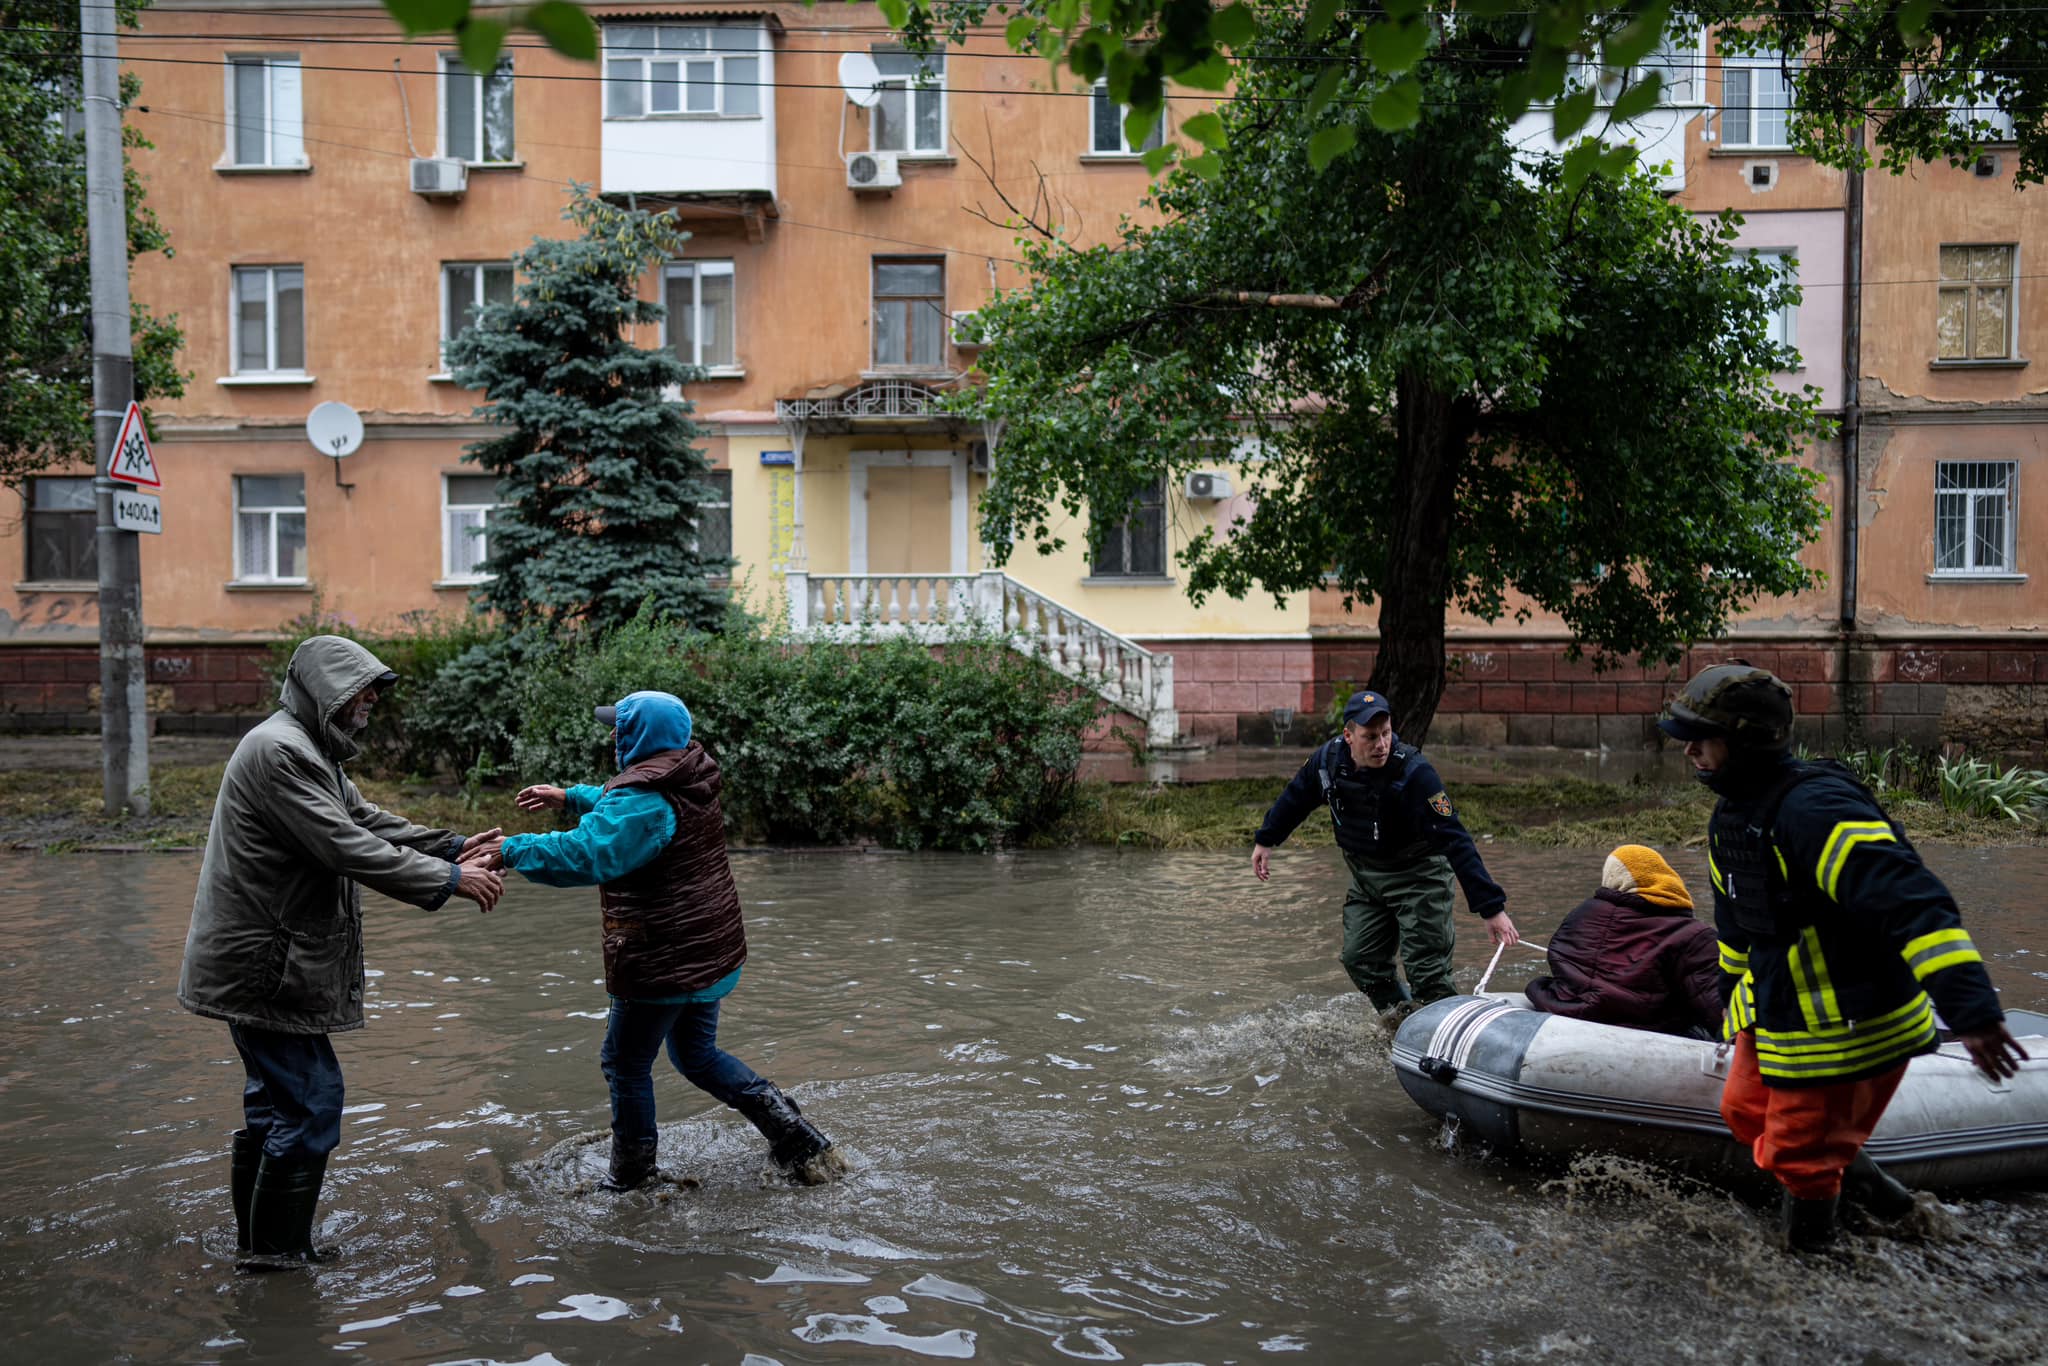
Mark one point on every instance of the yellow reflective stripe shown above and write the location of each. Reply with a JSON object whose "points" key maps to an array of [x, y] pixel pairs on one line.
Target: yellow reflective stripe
{"points": [[1840, 842], [1930, 953], [1735, 962], [1783, 871], [1808, 997], [1847, 1042], [1714, 872], [1823, 984]]}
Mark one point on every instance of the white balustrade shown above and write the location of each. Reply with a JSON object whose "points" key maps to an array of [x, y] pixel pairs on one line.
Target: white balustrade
{"points": [[937, 607]]}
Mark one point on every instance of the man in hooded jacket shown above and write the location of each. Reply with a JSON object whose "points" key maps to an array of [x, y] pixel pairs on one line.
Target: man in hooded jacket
{"points": [[275, 947], [653, 842]]}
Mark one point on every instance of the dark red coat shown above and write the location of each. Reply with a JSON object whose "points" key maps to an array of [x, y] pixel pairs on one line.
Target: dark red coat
{"points": [[1621, 960], [673, 925]]}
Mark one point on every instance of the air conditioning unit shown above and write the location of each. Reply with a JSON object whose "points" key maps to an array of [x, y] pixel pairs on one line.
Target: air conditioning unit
{"points": [[978, 461], [966, 336], [1207, 487], [439, 177], [871, 171]]}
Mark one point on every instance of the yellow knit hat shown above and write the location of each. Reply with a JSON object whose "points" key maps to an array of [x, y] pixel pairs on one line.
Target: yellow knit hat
{"points": [[1640, 869]]}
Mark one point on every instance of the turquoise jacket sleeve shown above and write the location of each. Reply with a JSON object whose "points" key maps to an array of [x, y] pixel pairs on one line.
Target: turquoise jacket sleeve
{"points": [[582, 797], [623, 830]]}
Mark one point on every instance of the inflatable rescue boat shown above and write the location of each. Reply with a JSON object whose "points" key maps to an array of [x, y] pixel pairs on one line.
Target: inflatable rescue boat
{"points": [[1520, 1080]]}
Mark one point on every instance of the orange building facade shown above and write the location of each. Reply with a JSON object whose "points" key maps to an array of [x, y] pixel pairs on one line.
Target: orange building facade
{"points": [[338, 198]]}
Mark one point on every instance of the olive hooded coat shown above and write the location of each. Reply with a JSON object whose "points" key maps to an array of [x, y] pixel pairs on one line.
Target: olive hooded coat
{"points": [[277, 926]]}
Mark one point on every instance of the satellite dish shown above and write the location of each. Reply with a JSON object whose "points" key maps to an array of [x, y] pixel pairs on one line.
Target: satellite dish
{"points": [[857, 76], [334, 429]]}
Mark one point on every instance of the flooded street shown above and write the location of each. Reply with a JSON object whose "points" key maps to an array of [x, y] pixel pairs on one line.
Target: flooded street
{"points": [[1101, 1107]]}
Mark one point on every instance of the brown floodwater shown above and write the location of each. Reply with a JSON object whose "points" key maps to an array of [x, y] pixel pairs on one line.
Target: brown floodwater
{"points": [[1099, 1106]]}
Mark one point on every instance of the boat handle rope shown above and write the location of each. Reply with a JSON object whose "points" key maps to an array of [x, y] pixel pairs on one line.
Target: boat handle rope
{"points": [[1498, 950]]}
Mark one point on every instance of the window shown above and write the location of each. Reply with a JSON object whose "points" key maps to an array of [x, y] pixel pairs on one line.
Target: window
{"points": [[714, 519], [911, 115], [674, 69], [1106, 136], [467, 287], [1981, 108], [1135, 548], [1676, 61], [270, 528], [1973, 518], [270, 320], [1976, 313], [476, 115], [910, 313], [1756, 102], [266, 112], [699, 325], [62, 539], [467, 501], [1781, 324]]}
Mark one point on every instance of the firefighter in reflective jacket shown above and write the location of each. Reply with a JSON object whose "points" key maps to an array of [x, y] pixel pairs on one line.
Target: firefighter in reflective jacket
{"points": [[1833, 938], [1403, 844]]}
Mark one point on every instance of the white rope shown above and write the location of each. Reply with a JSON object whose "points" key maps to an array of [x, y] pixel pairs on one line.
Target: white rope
{"points": [[1498, 950]]}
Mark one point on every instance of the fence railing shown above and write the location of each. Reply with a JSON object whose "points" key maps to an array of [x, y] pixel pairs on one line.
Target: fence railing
{"points": [[938, 606]]}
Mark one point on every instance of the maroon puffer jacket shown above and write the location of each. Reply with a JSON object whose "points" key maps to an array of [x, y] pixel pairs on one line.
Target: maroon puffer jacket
{"points": [[1621, 960], [673, 925]]}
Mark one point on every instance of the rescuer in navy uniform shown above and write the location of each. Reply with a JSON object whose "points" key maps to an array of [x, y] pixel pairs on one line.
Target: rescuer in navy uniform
{"points": [[1403, 843], [1833, 938]]}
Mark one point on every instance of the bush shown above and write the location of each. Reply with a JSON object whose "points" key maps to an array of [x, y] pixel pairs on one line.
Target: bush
{"points": [[1974, 788], [964, 747]]}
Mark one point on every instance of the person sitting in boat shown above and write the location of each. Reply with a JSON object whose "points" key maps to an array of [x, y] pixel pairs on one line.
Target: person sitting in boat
{"points": [[1633, 955]]}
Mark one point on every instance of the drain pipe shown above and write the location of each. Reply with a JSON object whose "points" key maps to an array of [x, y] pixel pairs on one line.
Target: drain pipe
{"points": [[1852, 443]]}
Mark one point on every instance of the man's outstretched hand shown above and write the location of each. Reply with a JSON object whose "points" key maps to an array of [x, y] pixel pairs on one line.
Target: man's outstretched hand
{"points": [[541, 797], [479, 884]]}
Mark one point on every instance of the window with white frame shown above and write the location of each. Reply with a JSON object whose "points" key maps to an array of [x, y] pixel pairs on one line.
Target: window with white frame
{"points": [[269, 321], [1677, 61], [266, 112], [1973, 516], [1781, 324], [270, 528], [910, 117], [1975, 112], [714, 518], [1756, 101], [1106, 135], [467, 288], [61, 538], [699, 325], [909, 313], [1134, 547], [1975, 320], [476, 115], [467, 501], [681, 70]]}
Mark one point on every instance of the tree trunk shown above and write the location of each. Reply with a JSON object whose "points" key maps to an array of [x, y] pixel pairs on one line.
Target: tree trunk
{"points": [[1432, 431]]}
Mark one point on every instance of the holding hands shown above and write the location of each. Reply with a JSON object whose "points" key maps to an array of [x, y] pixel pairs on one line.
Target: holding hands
{"points": [[480, 881]]}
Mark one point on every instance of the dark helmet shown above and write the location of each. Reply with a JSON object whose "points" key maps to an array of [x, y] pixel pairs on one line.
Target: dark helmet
{"points": [[1739, 703]]}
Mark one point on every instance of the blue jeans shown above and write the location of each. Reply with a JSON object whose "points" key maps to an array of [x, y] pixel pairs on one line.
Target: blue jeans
{"points": [[635, 1035], [292, 1097]]}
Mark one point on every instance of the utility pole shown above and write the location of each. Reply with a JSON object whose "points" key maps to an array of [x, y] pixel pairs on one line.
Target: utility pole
{"points": [[124, 711]]}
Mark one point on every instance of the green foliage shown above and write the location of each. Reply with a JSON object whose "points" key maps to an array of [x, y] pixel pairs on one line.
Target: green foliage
{"points": [[46, 302], [1467, 384], [600, 487], [448, 708], [967, 747], [1973, 787]]}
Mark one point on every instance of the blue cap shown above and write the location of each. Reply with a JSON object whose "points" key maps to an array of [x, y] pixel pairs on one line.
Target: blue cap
{"points": [[1364, 706]]}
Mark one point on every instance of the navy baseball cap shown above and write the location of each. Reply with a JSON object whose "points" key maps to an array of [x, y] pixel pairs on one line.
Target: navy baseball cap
{"points": [[1364, 706], [608, 716]]}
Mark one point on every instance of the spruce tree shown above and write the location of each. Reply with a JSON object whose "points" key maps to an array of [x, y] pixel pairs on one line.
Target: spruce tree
{"points": [[600, 486]]}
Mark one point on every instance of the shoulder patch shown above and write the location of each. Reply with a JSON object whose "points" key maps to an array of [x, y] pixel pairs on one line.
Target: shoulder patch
{"points": [[1441, 803]]}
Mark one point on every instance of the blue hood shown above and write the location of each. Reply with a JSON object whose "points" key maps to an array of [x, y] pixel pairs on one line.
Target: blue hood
{"points": [[649, 723]]}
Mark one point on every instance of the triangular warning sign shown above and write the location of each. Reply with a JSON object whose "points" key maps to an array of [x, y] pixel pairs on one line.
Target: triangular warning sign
{"points": [[132, 461]]}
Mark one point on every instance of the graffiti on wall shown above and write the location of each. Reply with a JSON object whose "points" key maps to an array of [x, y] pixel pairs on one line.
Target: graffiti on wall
{"points": [[55, 613]]}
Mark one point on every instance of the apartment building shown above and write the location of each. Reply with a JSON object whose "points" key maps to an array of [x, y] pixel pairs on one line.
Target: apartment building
{"points": [[340, 201]]}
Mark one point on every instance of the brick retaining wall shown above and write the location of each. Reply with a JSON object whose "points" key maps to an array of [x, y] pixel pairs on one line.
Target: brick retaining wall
{"points": [[204, 689]]}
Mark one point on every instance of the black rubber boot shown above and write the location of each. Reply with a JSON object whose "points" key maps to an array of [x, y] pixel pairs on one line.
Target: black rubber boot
{"points": [[1876, 1189], [244, 1157], [1806, 1225], [281, 1205], [632, 1162], [792, 1139]]}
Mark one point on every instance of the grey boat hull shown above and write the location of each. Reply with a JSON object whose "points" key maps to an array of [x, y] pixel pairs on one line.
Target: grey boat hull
{"points": [[1525, 1082]]}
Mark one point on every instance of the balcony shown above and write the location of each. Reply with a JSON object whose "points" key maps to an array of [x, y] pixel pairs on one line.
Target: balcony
{"points": [[689, 108]]}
